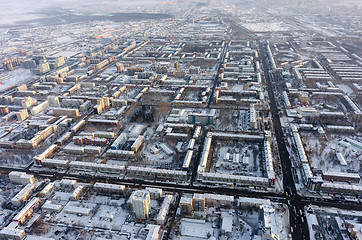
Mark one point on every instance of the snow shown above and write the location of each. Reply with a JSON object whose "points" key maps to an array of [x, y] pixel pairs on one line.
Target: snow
{"points": [[65, 54], [266, 26], [238, 87], [346, 89], [241, 150], [227, 223], [16, 77], [109, 217], [321, 153], [196, 228]]}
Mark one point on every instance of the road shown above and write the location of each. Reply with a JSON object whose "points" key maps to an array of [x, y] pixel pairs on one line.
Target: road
{"points": [[216, 76], [296, 212], [295, 202], [185, 188]]}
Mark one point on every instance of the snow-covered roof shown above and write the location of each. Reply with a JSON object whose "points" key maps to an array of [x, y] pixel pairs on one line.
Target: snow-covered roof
{"points": [[77, 210], [12, 232], [109, 186], [164, 208], [48, 205], [256, 201], [342, 174], [227, 223], [195, 228]]}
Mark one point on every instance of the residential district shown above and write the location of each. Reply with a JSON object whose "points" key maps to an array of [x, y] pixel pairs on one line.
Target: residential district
{"points": [[183, 120]]}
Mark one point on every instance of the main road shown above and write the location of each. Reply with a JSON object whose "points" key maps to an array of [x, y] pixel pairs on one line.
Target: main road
{"points": [[216, 76], [298, 222]]}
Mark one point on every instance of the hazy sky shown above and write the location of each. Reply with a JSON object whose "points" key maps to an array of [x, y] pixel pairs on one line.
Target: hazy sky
{"points": [[12, 11], [20, 10]]}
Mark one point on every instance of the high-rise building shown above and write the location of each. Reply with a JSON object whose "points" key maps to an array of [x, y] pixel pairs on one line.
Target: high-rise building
{"points": [[8, 65], [141, 203], [186, 205], [198, 202], [29, 64]]}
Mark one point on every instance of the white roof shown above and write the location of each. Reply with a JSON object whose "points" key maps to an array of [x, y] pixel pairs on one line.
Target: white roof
{"points": [[140, 195], [33, 237], [256, 201], [195, 228], [23, 191], [48, 205], [77, 210], [344, 186], [341, 174], [68, 182], [269, 218], [227, 223], [109, 186], [156, 170], [164, 207], [238, 136], [12, 232], [219, 197], [15, 173], [55, 161], [228, 177], [153, 231]]}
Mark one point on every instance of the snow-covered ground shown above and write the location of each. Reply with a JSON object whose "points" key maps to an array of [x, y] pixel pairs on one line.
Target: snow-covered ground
{"points": [[231, 120], [346, 89], [321, 153], [16, 159], [235, 159], [266, 26], [16, 77]]}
